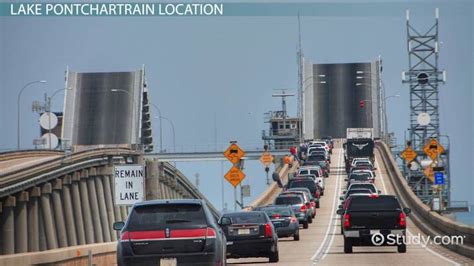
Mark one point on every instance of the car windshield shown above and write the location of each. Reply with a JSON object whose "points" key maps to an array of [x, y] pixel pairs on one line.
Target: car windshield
{"points": [[274, 211], [247, 218], [288, 200], [152, 217], [367, 203]]}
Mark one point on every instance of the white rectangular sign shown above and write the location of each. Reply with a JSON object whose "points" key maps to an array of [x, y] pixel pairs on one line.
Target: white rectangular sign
{"points": [[129, 184]]}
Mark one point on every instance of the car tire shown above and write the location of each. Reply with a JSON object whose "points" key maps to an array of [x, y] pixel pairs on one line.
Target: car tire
{"points": [[305, 225], [347, 245], [322, 193], [274, 257], [296, 237], [402, 248], [317, 204], [310, 219]]}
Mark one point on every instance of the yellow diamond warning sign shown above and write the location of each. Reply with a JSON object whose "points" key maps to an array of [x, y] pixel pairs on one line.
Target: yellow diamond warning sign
{"points": [[234, 176], [234, 153], [433, 148], [408, 154], [429, 173], [266, 159]]}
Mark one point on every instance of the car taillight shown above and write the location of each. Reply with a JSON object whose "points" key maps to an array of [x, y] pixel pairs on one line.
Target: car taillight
{"points": [[403, 220], [347, 220], [313, 204], [293, 220], [124, 236], [268, 230], [303, 208], [276, 216], [210, 232], [316, 194]]}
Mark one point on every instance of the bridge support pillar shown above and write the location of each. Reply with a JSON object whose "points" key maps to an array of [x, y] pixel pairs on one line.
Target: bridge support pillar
{"points": [[8, 225], [97, 227], [76, 203], [109, 205], [68, 211], [33, 220], [152, 180], [21, 223], [58, 213], [43, 245], [104, 218], [48, 222], [86, 208]]}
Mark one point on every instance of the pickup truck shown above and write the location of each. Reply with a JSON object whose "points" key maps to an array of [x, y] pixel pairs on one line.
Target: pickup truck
{"points": [[366, 215]]}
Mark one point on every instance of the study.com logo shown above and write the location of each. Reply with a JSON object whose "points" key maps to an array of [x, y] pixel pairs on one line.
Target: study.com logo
{"points": [[379, 239]]}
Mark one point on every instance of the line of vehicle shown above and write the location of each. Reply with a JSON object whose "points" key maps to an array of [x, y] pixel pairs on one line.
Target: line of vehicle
{"points": [[408, 231], [317, 255]]}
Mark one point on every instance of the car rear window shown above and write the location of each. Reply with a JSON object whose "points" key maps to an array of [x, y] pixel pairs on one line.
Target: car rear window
{"points": [[356, 191], [316, 157], [247, 218], [303, 183], [288, 200], [152, 217], [360, 176], [271, 211], [363, 186], [379, 203]]}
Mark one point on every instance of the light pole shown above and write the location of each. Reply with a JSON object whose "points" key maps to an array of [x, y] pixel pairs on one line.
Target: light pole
{"points": [[385, 115], [49, 110], [18, 110], [131, 113], [161, 128], [174, 135]]}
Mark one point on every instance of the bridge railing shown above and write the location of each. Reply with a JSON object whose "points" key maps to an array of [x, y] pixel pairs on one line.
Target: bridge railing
{"points": [[430, 222]]}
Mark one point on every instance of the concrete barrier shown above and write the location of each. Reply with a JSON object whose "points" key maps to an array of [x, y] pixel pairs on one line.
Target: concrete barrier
{"points": [[267, 196], [102, 254], [430, 222]]}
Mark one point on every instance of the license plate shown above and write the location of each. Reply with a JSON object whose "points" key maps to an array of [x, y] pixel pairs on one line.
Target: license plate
{"points": [[244, 231], [373, 232], [168, 262], [229, 243]]}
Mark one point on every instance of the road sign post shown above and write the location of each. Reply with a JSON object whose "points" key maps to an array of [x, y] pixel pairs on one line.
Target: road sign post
{"points": [[235, 175], [266, 159]]}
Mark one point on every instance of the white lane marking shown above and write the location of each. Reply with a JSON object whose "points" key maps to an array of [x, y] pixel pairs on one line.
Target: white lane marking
{"points": [[408, 231], [333, 211], [334, 224]]}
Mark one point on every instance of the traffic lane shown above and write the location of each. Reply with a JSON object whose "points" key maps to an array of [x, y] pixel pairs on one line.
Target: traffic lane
{"points": [[382, 255], [300, 252]]}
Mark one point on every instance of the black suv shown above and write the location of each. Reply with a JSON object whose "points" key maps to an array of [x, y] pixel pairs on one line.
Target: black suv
{"points": [[181, 231], [298, 205], [250, 234]]}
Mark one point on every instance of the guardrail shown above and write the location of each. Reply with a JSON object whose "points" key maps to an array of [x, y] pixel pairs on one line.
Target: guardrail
{"points": [[10, 155], [430, 222]]}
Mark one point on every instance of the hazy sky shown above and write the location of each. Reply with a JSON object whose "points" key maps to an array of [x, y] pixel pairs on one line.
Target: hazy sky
{"points": [[229, 66]]}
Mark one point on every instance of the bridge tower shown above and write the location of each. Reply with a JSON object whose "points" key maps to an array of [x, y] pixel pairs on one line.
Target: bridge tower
{"points": [[424, 77]]}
